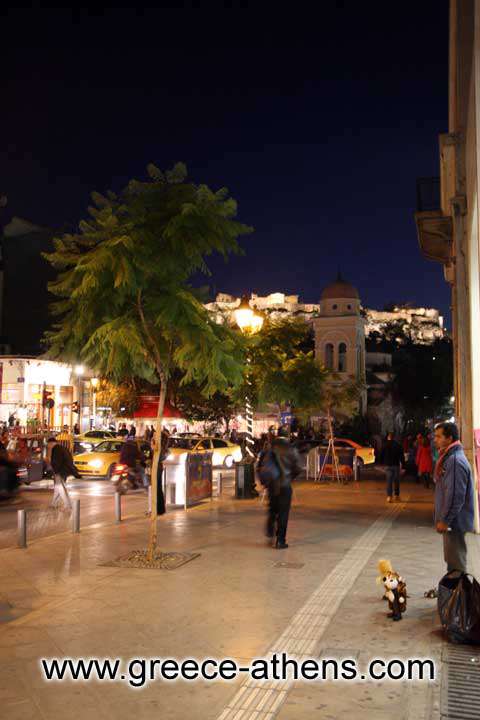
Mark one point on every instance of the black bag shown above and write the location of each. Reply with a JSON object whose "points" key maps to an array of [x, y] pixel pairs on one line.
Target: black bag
{"points": [[459, 608], [269, 471]]}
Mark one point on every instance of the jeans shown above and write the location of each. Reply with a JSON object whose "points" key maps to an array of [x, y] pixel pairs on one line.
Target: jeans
{"points": [[60, 493], [393, 480], [455, 550], [278, 512]]}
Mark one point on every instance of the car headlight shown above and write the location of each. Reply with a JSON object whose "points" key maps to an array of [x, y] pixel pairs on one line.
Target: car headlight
{"points": [[97, 464]]}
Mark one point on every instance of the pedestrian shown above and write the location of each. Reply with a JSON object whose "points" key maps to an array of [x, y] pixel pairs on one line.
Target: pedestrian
{"points": [[454, 496], [133, 431], [122, 431], [76, 429], [63, 467], [278, 466], [424, 462], [392, 458]]}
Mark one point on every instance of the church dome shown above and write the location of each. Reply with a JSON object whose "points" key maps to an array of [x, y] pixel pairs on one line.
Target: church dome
{"points": [[340, 289]]}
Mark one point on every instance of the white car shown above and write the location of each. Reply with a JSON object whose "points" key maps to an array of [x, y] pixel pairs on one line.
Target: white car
{"points": [[224, 452]]}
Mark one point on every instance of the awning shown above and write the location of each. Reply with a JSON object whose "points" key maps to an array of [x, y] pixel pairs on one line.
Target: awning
{"points": [[148, 408]]}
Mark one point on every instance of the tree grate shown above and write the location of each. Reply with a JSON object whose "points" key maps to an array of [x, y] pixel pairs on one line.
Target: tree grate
{"points": [[137, 559], [460, 696]]}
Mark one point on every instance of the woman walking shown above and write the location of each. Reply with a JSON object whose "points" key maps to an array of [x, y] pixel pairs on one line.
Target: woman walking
{"points": [[424, 461]]}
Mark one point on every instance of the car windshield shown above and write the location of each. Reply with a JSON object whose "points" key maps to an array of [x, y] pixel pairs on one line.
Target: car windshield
{"points": [[108, 446], [182, 443]]}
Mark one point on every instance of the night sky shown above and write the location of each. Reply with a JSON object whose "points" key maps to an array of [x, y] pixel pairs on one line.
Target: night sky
{"points": [[318, 118]]}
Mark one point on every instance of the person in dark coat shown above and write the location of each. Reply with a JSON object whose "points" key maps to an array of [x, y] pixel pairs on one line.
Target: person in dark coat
{"points": [[393, 459], [280, 491], [63, 467]]}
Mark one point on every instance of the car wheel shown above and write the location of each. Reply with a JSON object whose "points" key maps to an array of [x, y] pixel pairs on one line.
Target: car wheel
{"points": [[228, 462]]}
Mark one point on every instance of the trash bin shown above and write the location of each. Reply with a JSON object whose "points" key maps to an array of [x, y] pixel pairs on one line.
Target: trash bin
{"points": [[245, 480]]}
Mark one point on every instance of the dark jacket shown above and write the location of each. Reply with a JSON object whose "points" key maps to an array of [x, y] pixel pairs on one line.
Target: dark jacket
{"points": [[392, 454], [130, 454], [62, 462], [454, 492], [289, 460]]}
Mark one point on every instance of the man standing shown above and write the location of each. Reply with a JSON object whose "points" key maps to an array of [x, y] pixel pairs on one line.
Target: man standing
{"points": [[393, 459], [454, 496]]}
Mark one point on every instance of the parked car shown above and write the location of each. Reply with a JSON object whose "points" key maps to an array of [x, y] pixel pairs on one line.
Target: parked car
{"points": [[100, 461], [224, 452], [365, 455]]}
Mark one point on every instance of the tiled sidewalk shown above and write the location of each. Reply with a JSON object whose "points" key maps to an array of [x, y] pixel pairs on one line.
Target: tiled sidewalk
{"points": [[58, 599]]}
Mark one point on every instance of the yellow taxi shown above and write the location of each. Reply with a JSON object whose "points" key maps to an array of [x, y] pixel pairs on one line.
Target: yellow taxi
{"points": [[101, 460], [224, 452], [365, 455]]}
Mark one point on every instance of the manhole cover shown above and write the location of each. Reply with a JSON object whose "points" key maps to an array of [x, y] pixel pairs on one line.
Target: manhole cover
{"points": [[290, 565], [137, 559]]}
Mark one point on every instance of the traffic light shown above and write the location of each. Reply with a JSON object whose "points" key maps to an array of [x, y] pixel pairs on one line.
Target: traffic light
{"points": [[75, 408], [47, 400]]}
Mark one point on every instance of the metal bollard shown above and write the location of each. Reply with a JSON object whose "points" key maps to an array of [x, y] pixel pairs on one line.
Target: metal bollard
{"points": [[76, 516], [22, 528], [149, 498], [118, 507], [219, 484]]}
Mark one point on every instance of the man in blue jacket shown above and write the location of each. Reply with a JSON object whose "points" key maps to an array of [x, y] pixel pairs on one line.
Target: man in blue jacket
{"points": [[454, 496]]}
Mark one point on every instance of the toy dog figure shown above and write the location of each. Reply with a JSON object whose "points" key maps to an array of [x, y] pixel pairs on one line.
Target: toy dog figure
{"points": [[395, 589]]}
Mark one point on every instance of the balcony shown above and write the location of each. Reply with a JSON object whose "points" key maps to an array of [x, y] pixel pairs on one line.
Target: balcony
{"points": [[433, 227]]}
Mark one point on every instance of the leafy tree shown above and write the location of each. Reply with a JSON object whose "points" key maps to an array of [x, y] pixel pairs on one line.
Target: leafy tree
{"points": [[118, 396], [125, 304], [195, 405], [284, 369]]}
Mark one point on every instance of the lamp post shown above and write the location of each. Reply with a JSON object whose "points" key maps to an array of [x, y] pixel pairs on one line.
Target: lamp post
{"points": [[79, 370], [94, 383], [249, 323]]}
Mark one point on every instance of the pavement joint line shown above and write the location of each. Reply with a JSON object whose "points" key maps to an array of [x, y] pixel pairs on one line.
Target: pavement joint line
{"points": [[335, 587]]}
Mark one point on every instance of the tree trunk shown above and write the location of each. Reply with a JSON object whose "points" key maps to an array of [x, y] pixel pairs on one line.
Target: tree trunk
{"points": [[152, 542]]}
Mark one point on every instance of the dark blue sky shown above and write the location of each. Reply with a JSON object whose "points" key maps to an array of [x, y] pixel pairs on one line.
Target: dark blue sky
{"points": [[318, 120]]}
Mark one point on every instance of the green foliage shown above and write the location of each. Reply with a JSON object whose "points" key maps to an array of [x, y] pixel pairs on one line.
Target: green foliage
{"points": [[117, 396], [196, 406], [283, 370], [123, 298]]}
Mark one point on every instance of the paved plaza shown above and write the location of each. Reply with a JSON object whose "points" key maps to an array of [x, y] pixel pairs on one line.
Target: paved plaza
{"points": [[239, 599]]}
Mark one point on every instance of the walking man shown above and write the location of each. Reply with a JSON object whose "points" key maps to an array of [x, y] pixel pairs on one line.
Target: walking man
{"points": [[393, 459], [454, 496], [278, 466], [63, 467]]}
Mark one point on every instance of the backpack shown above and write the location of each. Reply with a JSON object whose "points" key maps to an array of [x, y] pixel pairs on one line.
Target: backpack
{"points": [[268, 469]]}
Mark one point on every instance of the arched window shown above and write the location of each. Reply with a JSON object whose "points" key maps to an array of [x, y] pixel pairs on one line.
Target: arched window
{"points": [[334, 307], [342, 358], [329, 356]]}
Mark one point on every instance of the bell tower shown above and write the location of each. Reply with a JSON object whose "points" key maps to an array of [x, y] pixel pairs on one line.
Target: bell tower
{"points": [[340, 332]]}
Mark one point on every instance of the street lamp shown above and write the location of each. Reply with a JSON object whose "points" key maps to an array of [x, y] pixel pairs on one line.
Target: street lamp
{"points": [[79, 370], [94, 382], [249, 323]]}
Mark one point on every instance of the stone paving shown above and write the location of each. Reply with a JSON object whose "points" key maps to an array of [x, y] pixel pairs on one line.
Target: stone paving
{"points": [[58, 599]]}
